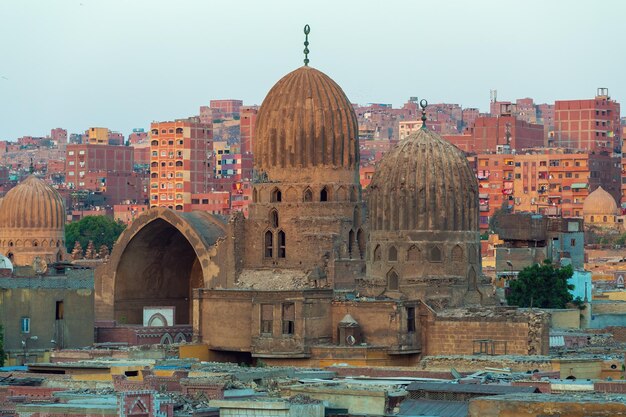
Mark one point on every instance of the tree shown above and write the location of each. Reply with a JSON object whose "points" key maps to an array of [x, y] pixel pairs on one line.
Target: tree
{"points": [[543, 286], [102, 230], [494, 220]]}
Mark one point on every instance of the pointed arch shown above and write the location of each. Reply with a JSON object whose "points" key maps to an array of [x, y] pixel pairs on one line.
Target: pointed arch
{"points": [[351, 243], [353, 194], [435, 254], [255, 195], [325, 194], [472, 279], [166, 339], [392, 254], [276, 196], [268, 244], [413, 254], [159, 256], [456, 255], [307, 196], [282, 244], [157, 320], [362, 242], [377, 253], [392, 280], [342, 194], [273, 218], [180, 338]]}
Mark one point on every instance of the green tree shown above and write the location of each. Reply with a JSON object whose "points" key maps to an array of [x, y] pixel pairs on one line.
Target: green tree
{"points": [[2, 355], [543, 286], [494, 220], [102, 230]]}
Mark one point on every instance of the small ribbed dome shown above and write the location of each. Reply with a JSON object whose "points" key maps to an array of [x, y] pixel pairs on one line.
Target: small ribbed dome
{"points": [[424, 183], [32, 204], [305, 121], [600, 202]]}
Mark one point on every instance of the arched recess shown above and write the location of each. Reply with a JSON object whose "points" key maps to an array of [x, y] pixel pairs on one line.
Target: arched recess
{"points": [[166, 339], [157, 320], [307, 195], [157, 261], [392, 254], [377, 253], [351, 244], [361, 242], [413, 254], [392, 280]]}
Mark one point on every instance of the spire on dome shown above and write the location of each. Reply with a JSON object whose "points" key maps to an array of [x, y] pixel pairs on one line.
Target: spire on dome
{"points": [[307, 30], [423, 105]]}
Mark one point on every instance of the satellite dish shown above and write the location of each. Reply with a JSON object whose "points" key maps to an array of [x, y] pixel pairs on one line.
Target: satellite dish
{"points": [[350, 340], [40, 266]]}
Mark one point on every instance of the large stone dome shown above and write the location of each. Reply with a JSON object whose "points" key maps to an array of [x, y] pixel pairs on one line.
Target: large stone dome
{"points": [[600, 203], [305, 123], [423, 219], [424, 183], [32, 204], [32, 223]]}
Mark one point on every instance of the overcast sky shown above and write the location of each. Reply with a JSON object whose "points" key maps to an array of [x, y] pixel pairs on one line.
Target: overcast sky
{"points": [[124, 63]]}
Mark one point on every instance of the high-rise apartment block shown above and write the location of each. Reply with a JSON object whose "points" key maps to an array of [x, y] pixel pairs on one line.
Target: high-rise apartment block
{"points": [[592, 124], [180, 162]]}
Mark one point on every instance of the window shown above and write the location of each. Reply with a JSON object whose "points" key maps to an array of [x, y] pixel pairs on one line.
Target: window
{"points": [[269, 248], [267, 318], [276, 196], [289, 318], [573, 242], [324, 194], [410, 319], [435, 254], [59, 310], [393, 254], [70, 153], [413, 254], [377, 256], [25, 324], [71, 163], [281, 244], [392, 281], [308, 195]]}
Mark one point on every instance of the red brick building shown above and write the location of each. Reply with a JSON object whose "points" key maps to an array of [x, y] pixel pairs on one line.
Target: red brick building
{"points": [[228, 108], [247, 123], [103, 169], [592, 124], [490, 132]]}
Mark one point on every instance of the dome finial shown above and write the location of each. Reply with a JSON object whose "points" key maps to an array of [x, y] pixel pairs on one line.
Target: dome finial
{"points": [[307, 30], [423, 105]]}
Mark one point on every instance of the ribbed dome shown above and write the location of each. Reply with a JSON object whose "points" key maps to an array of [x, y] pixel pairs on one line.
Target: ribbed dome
{"points": [[600, 202], [424, 183], [32, 204], [306, 121]]}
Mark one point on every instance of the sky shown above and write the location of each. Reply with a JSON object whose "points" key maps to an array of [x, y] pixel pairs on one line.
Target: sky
{"points": [[122, 64]]}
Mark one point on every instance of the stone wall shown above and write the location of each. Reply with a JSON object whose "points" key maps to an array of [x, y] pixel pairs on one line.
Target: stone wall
{"points": [[453, 332]]}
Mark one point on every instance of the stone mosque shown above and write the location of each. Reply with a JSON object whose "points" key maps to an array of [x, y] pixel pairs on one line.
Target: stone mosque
{"points": [[315, 275]]}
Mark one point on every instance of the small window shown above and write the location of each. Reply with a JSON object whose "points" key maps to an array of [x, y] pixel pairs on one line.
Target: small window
{"points": [[269, 247], [573, 242], [274, 218], [410, 319], [282, 251], [308, 195], [25, 324], [276, 196], [324, 194], [59, 310], [289, 318], [435, 254], [267, 318], [377, 255], [393, 254], [392, 281]]}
